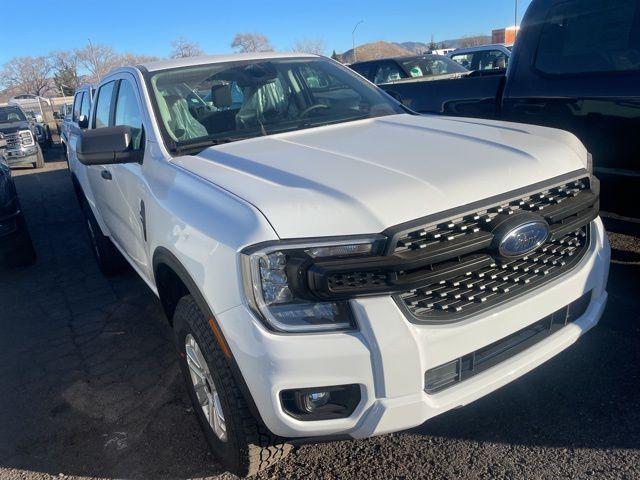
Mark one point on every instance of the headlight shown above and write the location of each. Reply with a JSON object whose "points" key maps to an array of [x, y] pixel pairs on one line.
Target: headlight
{"points": [[26, 138], [274, 284]]}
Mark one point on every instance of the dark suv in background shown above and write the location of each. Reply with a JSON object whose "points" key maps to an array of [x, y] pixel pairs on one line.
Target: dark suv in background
{"points": [[15, 242]]}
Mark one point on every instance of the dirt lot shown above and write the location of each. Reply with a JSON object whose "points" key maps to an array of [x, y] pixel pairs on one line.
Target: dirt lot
{"points": [[91, 386]]}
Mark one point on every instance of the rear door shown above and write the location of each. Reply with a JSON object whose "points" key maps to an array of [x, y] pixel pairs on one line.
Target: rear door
{"points": [[577, 67], [81, 106]]}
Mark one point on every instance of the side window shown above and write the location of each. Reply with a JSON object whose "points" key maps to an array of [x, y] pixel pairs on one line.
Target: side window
{"points": [[364, 70], [387, 72], [85, 107], [492, 60], [128, 112], [586, 36], [464, 59], [77, 101], [103, 105]]}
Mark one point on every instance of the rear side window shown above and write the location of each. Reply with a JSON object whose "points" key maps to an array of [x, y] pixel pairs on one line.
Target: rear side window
{"points": [[585, 36], [464, 59], [103, 105]]}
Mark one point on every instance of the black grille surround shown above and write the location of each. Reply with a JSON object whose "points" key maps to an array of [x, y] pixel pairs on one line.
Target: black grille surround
{"points": [[444, 268], [490, 280]]}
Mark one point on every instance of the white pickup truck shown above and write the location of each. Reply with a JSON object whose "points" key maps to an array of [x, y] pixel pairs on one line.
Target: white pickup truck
{"points": [[334, 265]]}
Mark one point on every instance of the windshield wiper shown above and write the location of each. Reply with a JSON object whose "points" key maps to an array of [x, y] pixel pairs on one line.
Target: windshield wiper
{"points": [[199, 146]]}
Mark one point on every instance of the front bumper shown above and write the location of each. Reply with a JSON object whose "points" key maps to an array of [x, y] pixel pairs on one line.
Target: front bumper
{"points": [[389, 355], [22, 155]]}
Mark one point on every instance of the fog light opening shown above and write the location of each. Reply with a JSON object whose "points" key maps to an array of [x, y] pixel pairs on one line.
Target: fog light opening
{"points": [[321, 403], [314, 400]]}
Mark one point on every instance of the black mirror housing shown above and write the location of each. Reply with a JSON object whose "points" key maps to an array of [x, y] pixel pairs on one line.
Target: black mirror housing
{"points": [[83, 121], [106, 146]]}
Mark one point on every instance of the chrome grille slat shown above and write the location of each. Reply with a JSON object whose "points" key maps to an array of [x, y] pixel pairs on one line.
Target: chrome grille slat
{"points": [[479, 289]]}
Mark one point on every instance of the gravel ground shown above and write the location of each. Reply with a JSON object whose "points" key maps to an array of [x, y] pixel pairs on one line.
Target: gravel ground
{"points": [[93, 388]]}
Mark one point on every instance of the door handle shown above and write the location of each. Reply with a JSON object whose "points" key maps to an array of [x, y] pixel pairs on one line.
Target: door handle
{"points": [[106, 174]]}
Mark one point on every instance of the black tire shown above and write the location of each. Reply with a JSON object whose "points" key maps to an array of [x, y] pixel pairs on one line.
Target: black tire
{"points": [[49, 139], [250, 447], [109, 259], [39, 163], [21, 253]]}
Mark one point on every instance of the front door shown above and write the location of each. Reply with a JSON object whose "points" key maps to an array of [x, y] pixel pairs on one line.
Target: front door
{"points": [[119, 189]]}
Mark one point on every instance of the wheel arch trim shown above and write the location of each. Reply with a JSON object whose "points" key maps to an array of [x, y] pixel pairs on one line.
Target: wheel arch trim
{"points": [[163, 256]]}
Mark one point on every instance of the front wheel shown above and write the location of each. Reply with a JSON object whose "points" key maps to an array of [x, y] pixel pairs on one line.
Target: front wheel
{"points": [[239, 440], [39, 163]]}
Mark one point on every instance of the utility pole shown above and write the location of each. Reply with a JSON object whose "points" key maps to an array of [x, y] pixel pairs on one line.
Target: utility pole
{"points": [[93, 56], [515, 16], [353, 39]]}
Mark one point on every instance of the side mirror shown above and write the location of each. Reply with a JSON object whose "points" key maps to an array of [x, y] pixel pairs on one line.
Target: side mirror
{"points": [[105, 146], [83, 121]]}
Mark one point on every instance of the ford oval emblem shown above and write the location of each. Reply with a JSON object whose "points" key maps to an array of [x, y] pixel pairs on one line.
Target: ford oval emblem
{"points": [[524, 238]]}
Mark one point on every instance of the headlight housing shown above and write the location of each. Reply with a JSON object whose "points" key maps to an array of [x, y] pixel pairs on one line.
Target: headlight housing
{"points": [[275, 284], [26, 138]]}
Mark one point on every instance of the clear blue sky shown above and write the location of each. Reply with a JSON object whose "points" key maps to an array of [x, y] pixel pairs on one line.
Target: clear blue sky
{"points": [[147, 27]]}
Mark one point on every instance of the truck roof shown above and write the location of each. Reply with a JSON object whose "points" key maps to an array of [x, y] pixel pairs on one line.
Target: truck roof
{"points": [[206, 59]]}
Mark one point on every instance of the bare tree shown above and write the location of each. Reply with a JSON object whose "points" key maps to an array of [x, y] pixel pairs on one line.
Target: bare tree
{"points": [[65, 65], [181, 48], [251, 42], [473, 41], [98, 60], [310, 45], [27, 75]]}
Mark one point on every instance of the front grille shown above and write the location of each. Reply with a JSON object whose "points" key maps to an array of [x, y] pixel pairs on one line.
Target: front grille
{"points": [[478, 278], [465, 367], [13, 141]]}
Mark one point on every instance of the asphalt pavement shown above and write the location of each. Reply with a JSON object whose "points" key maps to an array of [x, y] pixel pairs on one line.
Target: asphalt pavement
{"points": [[91, 386]]}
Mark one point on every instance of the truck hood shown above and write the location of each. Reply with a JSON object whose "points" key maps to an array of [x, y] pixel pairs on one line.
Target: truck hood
{"points": [[13, 127], [365, 176]]}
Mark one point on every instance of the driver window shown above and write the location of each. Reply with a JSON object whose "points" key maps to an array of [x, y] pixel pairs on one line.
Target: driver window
{"points": [[85, 107], [128, 112], [76, 106]]}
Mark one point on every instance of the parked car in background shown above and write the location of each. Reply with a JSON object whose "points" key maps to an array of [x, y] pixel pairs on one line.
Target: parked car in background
{"points": [[409, 69], [575, 66], [332, 264], [16, 248], [484, 57], [77, 117], [42, 130], [21, 137]]}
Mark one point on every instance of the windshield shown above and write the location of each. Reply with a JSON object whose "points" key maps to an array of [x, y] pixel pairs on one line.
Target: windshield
{"points": [[431, 65], [11, 114], [223, 102]]}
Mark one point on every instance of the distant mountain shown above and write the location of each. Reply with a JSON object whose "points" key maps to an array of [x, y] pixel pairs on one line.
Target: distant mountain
{"points": [[381, 49], [414, 47], [371, 51]]}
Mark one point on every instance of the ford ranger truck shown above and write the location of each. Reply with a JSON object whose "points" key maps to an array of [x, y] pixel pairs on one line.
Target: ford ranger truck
{"points": [[333, 265]]}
